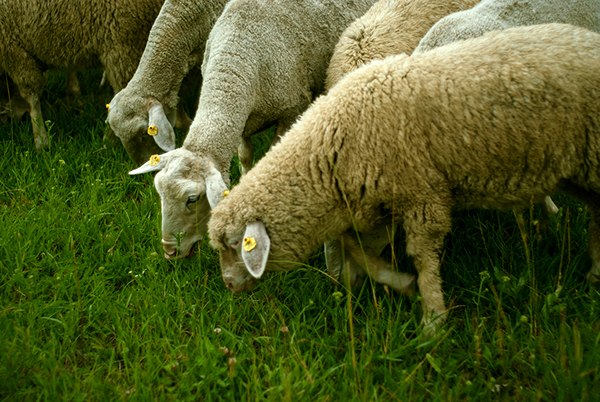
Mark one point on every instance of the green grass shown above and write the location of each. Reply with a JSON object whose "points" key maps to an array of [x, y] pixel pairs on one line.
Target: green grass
{"points": [[90, 310]]}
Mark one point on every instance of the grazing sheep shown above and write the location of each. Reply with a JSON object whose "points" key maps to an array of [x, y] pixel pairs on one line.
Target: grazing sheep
{"points": [[265, 61], [71, 35], [483, 17], [390, 27], [175, 48], [493, 122], [493, 15]]}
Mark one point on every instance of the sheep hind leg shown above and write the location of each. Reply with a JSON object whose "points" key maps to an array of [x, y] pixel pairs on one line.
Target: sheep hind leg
{"points": [[426, 228], [378, 269], [37, 121]]}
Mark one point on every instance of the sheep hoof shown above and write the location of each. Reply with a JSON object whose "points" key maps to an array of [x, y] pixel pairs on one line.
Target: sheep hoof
{"points": [[592, 277]]}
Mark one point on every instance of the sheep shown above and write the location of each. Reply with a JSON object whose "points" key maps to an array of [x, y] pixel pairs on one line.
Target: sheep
{"points": [[390, 27], [175, 47], [494, 122], [491, 15], [265, 61], [483, 17], [72, 35]]}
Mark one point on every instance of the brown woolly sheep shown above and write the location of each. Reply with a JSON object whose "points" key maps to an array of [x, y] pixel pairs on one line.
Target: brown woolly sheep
{"points": [[492, 122]]}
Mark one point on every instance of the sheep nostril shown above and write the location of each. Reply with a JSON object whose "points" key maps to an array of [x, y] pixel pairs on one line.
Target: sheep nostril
{"points": [[230, 286]]}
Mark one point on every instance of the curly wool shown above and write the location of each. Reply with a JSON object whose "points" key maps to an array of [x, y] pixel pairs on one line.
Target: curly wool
{"points": [[390, 27]]}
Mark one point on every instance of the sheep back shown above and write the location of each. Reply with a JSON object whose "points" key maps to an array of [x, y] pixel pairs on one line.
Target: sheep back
{"points": [[389, 27], [492, 15], [79, 34], [273, 55]]}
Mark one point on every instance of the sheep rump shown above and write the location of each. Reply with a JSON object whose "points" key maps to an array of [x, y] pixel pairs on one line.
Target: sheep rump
{"points": [[493, 122]]}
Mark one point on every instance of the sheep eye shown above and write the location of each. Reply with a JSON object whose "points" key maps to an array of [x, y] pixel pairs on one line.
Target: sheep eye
{"points": [[234, 243], [192, 199]]}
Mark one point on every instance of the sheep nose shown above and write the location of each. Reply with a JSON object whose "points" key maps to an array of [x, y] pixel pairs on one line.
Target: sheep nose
{"points": [[230, 286]]}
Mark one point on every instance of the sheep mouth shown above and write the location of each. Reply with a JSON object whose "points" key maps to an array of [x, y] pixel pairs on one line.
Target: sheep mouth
{"points": [[178, 256]]}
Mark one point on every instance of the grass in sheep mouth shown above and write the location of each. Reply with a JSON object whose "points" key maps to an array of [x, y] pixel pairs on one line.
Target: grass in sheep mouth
{"points": [[90, 310]]}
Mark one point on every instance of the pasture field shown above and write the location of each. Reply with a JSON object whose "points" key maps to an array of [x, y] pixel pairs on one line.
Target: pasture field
{"points": [[90, 309]]}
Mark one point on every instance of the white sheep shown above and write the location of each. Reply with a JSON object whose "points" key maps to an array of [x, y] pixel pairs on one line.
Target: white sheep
{"points": [[492, 15], [71, 35], [265, 61], [176, 45], [493, 122], [390, 27]]}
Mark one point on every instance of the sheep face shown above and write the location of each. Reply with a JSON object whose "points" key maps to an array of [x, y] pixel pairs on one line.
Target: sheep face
{"points": [[143, 125], [189, 186], [243, 257]]}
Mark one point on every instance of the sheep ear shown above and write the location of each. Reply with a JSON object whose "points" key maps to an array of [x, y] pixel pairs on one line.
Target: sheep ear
{"points": [[110, 106], [160, 128], [156, 162], [255, 249], [215, 187]]}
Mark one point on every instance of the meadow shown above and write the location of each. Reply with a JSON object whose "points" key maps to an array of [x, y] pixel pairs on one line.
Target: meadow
{"points": [[90, 309]]}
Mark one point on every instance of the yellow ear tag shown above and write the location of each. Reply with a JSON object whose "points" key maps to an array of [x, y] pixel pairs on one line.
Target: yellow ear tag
{"points": [[108, 107], [154, 159], [152, 130], [225, 193], [249, 243]]}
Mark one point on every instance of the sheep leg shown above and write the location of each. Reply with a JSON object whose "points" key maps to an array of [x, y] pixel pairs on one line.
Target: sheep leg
{"points": [[375, 240], [73, 89], [592, 200], [548, 208], [183, 121], [426, 226], [378, 269], [246, 154], [37, 121]]}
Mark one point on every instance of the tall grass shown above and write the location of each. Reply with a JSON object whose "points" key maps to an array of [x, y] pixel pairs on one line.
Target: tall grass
{"points": [[90, 310]]}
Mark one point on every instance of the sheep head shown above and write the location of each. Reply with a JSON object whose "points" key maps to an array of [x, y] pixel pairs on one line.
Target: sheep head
{"points": [[189, 187], [243, 256], [144, 126]]}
